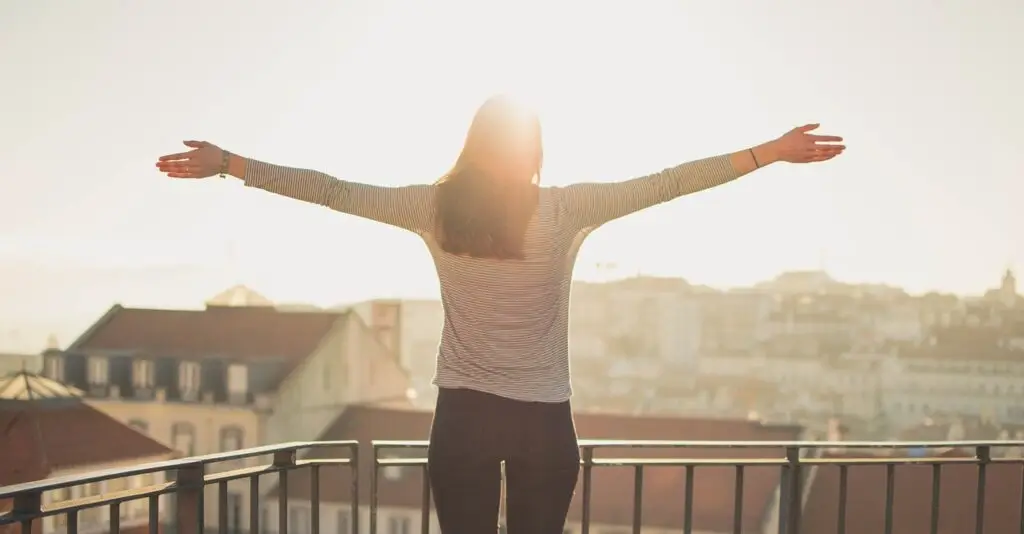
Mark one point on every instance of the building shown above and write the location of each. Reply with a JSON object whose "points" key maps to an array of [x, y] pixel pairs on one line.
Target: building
{"points": [[400, 489], [412, 330], [228, 377], [49, 432]]}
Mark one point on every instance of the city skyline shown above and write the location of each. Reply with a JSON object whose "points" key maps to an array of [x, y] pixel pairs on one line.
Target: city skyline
{"points": [[28, 329]]}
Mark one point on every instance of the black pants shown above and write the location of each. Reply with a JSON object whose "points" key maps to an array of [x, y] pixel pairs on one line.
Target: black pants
{"points": [[472, 434]]}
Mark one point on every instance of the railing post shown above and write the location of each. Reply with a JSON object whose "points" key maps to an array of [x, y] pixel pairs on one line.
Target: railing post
{"points": [[29, 505], [283, 461], [790, 494], [984, 455], [373, 492], [188, 498], [355, 486], [588, 468]]}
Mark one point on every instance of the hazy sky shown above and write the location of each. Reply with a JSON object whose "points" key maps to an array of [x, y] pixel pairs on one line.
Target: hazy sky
{"points": [[927, 94]]}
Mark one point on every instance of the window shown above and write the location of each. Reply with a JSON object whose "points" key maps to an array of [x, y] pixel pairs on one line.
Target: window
{"points": [[398, 524], [183, 438], [58, 496], [188, 377], [238, 379], [392, 472], [116, 485], [91, 516], [140, 507], [231, 438], [53, 368], [298, 520], [234, 513], [142, 374], [344, 521], [97, 370]]}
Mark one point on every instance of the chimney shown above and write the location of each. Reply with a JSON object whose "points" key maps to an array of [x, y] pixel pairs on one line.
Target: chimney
{"points": [[836, 430], [208, 397], [161, 395], [52, 343], [385, 321], [836, 433], [114, 392], [262, 402]]}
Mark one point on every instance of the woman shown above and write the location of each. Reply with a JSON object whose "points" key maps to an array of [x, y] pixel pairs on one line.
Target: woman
{"points": [[504, 249]]}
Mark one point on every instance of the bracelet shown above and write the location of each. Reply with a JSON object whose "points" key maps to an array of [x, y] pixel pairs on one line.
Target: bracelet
{"points": [[225, 158], [756, 164]]}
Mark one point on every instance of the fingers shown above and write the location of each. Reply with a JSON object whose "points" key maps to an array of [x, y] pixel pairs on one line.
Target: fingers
{"points": [[178, 156], [817, 154], [823, 155], [807, 127], [196, 144], [168, 166], [182, 169], [825, 138]]}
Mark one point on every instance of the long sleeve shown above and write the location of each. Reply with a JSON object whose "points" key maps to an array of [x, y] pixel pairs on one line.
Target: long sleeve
{"points": [[409, 207], [589, 205]]}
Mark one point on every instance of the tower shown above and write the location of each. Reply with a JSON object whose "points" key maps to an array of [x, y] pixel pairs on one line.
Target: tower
{"points": [[1008, 289]]}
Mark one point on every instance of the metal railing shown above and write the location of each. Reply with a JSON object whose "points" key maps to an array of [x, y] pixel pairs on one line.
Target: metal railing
{"points": [[795, 462], [186, 480]]}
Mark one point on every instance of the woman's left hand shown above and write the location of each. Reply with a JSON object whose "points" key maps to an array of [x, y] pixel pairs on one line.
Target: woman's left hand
{"points": [[203, 161]]}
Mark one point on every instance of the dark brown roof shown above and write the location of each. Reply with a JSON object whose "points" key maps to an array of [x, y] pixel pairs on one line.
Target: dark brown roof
{"points": [[612, 487], [40, 436], [247, 332], [865, 499]]}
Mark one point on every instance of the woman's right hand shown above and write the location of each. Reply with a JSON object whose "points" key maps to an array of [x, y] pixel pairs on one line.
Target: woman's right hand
{"points": [[203, 161], [800, 146]]}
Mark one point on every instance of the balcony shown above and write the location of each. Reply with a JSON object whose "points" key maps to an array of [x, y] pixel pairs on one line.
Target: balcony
{"points": [[809, 487]]}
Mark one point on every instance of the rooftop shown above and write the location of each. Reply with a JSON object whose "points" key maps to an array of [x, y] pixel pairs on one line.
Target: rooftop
{"points": [[243, 332], [46, 427]]}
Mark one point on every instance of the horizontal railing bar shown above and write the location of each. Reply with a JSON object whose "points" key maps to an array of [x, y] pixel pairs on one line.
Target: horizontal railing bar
{"points": [[755, 462], [604, 443], [107, 474], [244, 472], [94, 501], [747, 462], [328, 462], [401, 462]]}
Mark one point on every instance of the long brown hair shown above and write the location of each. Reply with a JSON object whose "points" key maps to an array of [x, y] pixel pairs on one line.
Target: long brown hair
{"points": [[485, 202]]}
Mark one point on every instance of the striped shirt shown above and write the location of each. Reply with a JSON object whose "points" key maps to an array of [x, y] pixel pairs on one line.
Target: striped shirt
{"points": [[506, 322]]}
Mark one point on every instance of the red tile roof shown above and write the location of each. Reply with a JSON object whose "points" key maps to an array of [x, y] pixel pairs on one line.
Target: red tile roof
{"points": [[247, 332], [612, 487], [51, 433], [865, 501]]}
